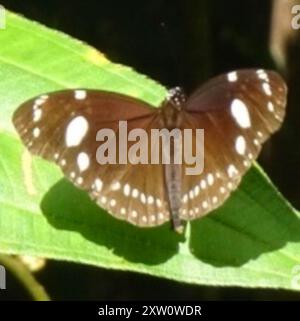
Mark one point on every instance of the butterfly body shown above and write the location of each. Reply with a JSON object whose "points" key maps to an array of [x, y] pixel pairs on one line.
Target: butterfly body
{"points": [[237, 112], [172, 110]]}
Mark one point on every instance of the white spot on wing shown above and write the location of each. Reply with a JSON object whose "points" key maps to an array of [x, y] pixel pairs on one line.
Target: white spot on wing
{"points": [[37, 114], [270, 106], [262, 75], [210, 179], [83, 161], [191, 194], [267, 89], [246, 163], [76, 131], [232, 171], [36, 132], [203, 184], [39, 101], [222, 190], [205, 204], [143, 198], [240, 145], [161, 216], [191, 212], [185, 198], [232, 76], [135, 193], [80, 94], [126, 190], [215, 200], [115, 186], [240, 112], [278, 117], [150, 199], [158, 202], [98, 184], [79, 180], [134, 214], [112, 202], [103, 200]]}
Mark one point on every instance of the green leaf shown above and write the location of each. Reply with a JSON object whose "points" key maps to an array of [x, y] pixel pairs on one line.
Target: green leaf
{"points": [[251, 241]]}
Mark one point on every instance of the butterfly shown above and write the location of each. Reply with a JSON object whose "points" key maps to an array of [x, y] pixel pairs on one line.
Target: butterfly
{"points": [[238, 111]]}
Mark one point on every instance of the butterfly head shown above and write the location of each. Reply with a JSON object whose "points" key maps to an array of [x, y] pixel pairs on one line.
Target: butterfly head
{"points": [[176, 97]]}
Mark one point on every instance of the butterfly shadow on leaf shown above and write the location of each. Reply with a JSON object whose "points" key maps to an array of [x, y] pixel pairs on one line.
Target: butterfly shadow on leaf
{"points": [[255, 220], [68, 208]]}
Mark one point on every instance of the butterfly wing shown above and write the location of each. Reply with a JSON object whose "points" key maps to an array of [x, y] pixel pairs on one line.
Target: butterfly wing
{"points": [[53, 123], [238, 112], [62, 127], [135, 192]]}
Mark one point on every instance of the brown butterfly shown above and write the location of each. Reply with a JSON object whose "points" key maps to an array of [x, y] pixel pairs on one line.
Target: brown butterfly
{"points": [[238, 112]]}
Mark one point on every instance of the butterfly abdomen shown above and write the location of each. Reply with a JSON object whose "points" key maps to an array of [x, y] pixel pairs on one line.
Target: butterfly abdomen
{"points": [[173, 182], [173, 169]]}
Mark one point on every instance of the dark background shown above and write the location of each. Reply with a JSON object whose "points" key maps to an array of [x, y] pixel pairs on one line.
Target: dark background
{"points": [[176, 43]]}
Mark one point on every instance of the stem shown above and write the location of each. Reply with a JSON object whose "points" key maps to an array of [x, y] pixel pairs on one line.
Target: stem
{"points": [[21, 272]]}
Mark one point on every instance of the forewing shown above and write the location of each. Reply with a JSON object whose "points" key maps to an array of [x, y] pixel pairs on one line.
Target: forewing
{"points": [[238, 112], [62, 127]]}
